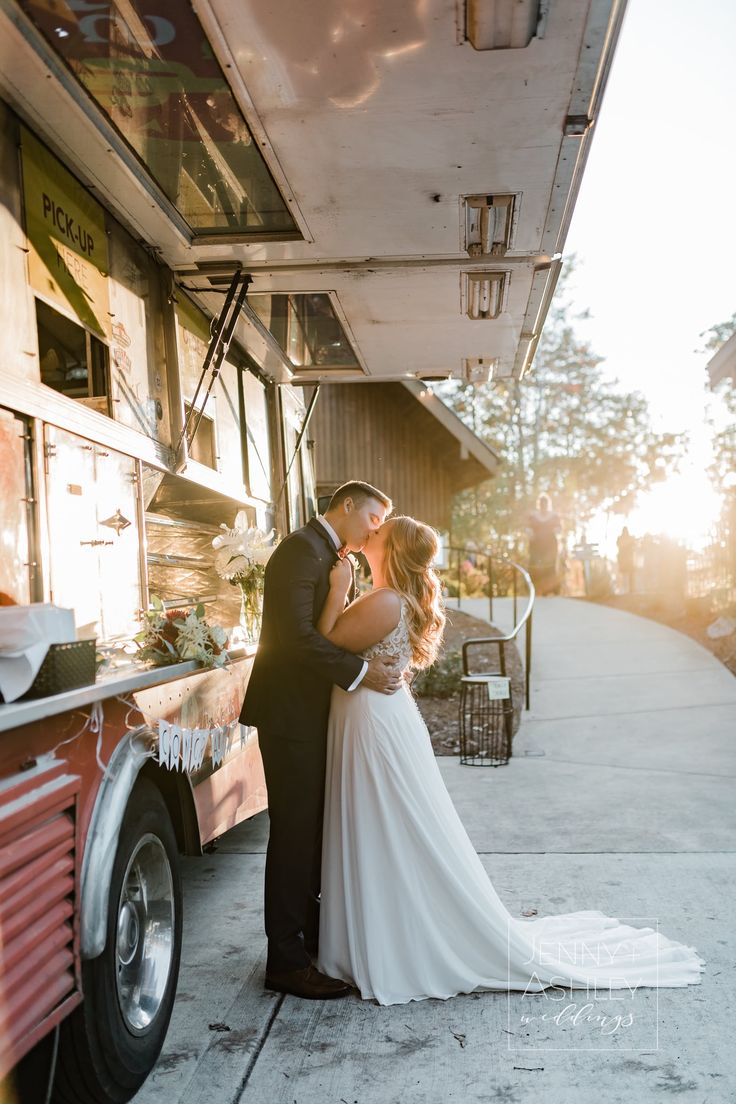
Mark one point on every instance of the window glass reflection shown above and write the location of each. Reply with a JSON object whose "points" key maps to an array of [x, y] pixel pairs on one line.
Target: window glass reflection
{"points": [[156, 79], [306, 328]]}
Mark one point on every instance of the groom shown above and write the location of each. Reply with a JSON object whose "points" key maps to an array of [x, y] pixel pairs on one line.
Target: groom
{"points": [[288, 700]]}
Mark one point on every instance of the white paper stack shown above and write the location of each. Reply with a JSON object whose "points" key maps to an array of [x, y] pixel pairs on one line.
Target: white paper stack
{"points": [[25, 635]]}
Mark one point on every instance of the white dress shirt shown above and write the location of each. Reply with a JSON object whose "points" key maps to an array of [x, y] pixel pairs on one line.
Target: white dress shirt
{"points": [[338, 545]]}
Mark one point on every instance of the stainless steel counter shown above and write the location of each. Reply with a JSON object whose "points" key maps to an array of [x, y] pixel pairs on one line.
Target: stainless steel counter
{"points": [[134, 677]]}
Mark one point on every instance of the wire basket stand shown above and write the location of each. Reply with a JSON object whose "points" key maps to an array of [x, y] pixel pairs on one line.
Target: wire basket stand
{"points": [[485, 721]]}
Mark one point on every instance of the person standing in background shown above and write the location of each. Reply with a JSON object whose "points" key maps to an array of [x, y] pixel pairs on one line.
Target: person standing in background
{"points": [[543, 525], [626, 545]]}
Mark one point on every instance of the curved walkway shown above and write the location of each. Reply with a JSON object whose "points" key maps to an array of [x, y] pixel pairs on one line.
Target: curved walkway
{"points": [[637, 722], [619, 797]]}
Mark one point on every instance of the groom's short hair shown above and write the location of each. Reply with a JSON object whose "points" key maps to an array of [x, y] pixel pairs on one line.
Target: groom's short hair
{"points": [[359, 492]]}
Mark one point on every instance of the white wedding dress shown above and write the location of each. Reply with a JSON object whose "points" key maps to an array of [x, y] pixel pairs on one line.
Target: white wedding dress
{"points": [[407, 909]]}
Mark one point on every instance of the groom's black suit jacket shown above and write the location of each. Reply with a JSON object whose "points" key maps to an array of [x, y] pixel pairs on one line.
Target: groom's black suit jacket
{"points": [[295, 666]]}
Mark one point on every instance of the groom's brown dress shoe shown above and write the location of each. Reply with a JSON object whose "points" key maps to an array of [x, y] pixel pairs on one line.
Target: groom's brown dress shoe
{"points": [[308, 983]]}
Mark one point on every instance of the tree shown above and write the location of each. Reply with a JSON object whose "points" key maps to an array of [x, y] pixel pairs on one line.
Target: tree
{"points": [[565, 430], [723, 468]]}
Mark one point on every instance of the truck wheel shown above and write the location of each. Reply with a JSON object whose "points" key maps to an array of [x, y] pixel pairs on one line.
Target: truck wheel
{"points": [[110, 1043]]}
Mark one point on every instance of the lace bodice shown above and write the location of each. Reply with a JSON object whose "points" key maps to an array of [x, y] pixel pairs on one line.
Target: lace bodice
{"points": [[396, 643]]}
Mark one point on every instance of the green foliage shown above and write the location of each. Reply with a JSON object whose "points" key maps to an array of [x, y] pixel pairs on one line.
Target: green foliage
{"points": [[566, 430], [719, 334], [442, 679], [175, 635], [723, 426], [472, 583]]}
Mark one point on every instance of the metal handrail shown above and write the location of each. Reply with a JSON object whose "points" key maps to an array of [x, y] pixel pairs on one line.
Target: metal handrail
{"points": [[524, 621]]}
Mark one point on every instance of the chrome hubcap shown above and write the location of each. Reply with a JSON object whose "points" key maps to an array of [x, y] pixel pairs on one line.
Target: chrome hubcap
{"points": [[145, 934]]}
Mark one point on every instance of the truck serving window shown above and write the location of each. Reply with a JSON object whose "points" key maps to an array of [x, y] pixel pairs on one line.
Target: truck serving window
{"points": [[157, 81], [203, 447], [181, 519], [73, 361]]}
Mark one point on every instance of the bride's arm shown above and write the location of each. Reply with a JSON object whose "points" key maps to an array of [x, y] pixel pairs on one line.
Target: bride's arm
{"points": [[364, 622], [340, 579]]}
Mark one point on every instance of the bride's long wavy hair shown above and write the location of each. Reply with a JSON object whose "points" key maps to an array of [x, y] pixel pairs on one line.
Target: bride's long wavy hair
{"points": [[409, 551]]}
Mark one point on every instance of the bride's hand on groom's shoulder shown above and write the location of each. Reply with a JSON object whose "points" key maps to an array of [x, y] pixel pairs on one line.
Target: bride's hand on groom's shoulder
{"points": [[341, 576], [383, 674]]}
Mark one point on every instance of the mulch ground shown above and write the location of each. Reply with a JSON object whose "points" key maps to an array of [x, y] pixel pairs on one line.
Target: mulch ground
{"points": [[441, 714], [692, 618]]}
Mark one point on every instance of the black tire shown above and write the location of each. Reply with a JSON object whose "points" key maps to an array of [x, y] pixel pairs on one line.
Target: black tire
{"points": [[102, 1060]]}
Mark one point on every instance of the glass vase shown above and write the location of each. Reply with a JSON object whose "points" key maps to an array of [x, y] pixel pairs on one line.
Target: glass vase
{"points": [[251, 612]]}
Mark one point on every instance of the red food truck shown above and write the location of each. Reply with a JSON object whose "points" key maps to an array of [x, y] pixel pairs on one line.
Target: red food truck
{"points": [[133, 424]]}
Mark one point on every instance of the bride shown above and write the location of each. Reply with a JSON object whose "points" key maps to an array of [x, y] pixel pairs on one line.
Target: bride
{"points": [[407, 909]]}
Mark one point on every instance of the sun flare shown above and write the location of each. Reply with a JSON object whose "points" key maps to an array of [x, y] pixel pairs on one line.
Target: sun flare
{"points": [[684, 507]]}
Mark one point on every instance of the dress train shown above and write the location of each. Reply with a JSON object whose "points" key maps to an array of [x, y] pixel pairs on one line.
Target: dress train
{"points": [[408, 911]]}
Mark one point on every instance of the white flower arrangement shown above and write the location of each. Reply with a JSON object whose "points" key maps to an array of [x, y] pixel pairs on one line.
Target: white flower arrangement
{"points": [[241, 555], [242, 551]]}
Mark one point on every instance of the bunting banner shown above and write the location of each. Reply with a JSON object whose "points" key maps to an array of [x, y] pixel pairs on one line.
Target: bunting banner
{"points": [[184, 749]]}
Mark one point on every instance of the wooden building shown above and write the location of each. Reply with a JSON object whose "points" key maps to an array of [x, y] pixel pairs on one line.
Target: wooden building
{"points": [[401, 438]]}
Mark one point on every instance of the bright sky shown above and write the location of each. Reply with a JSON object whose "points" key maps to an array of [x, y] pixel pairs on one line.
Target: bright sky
{"points": [[654, 231]]}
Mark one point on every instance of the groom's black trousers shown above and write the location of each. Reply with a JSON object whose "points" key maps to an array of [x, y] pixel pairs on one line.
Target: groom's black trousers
{"points": [[295, 777], [288, 701]]}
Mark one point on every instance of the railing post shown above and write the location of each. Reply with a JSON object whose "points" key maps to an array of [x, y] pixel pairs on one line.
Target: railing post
{"points": [[528, 655], [513, 575], [459, 580], [526, 620]]}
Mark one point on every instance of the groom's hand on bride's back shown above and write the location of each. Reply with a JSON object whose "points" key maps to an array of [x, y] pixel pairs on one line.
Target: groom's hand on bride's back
{"points": [[383, 674]]}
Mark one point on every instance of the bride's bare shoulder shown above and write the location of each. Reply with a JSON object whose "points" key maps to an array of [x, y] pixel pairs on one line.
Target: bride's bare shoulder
{"points": [[381, 599], [367, 620], [380, 607]]}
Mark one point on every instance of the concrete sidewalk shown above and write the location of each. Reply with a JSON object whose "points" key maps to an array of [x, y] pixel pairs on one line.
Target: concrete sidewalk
{"points": [[619, 797]]}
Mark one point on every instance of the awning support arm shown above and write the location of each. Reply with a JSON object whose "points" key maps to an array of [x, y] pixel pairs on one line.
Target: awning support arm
{"points": [[222, 333], [297, 446]]}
